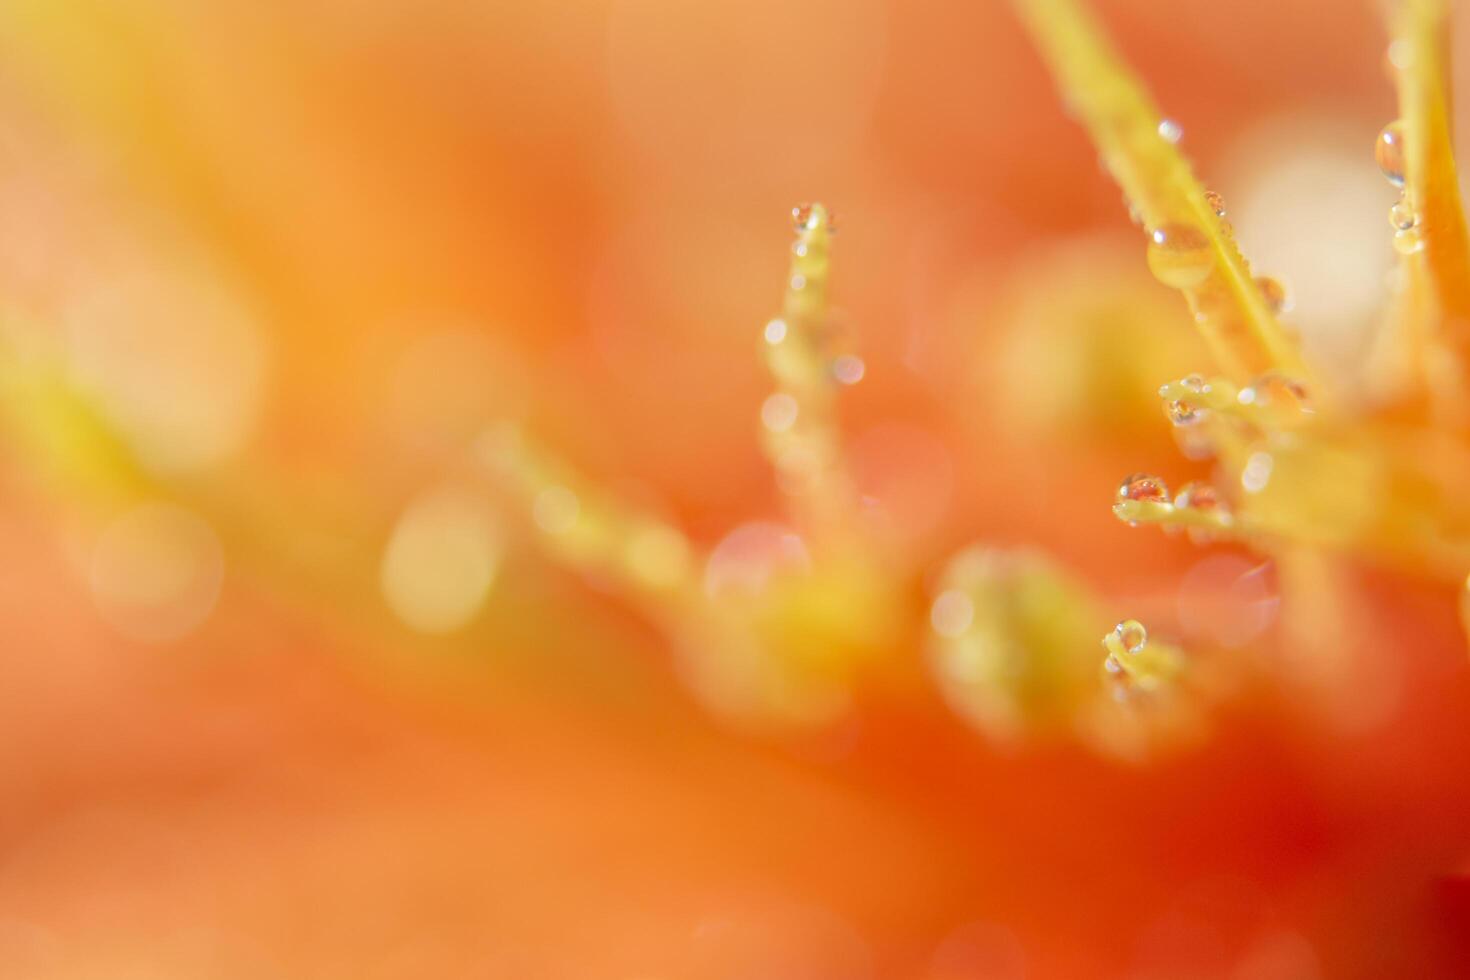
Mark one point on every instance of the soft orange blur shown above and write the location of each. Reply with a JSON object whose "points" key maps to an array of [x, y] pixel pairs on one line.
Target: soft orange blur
{"points": [[295, 254]]}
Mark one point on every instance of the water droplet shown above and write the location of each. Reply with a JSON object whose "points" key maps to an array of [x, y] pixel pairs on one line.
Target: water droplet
{"points": [[1201, 498], [775, 332], [778, 412], [810, 217], [804, 217], [1257, 472], [849, 369], [1113, 665], [1170, 131], [1407, 241], [799, 249], [1390, 153], [1277, 391], [1402, 215], [1132, 635], [952, 613], [1144, 487], [798, 282], [1216, 203], [1198, 496], [1181, 412], [1180, 255], [1272, 292], [1193, 382]]}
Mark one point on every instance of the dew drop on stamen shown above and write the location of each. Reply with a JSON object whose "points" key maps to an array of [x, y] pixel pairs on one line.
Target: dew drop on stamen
{"points": [[1170, 131], [1181, 412], [810, 217], [1113, 665], [1132, 635], [805, 217], [1216, 203], [1194, 382], [1139, 488], [775, 332], [1277, 391], [1407, 241], [1180, 255], [1198, 496], [1201, 498], [1144, 487], [1402, 215], [1390, 153], [1272, 292]]}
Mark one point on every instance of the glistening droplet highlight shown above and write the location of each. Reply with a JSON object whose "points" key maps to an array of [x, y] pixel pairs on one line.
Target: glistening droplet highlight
{"points": [[1390, 153], [1180, 255]]}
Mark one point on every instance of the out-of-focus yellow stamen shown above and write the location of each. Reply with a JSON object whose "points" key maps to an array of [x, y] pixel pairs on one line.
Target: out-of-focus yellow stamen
{"points": [[799, 426], [586, 527]]}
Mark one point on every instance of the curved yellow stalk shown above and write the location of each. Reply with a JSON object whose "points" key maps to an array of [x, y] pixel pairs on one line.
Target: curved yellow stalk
{"points": [[587, 528], [1233, 315], [1433, 322]]}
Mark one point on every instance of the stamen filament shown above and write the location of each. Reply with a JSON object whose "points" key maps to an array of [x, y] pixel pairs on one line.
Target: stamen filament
{"points": [[1229, 308]]}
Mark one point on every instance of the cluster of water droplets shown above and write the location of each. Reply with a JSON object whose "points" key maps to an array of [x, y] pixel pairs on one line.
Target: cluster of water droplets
{"points": [[831, 343], [1188, 401], [1194, 498], [1403, 216]]}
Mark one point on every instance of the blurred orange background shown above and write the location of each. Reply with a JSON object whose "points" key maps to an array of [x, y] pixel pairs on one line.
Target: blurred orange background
{"points": [[294, 255]]}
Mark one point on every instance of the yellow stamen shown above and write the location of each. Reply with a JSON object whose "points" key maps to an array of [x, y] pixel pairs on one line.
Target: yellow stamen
{"points": [[1191, 246]]}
